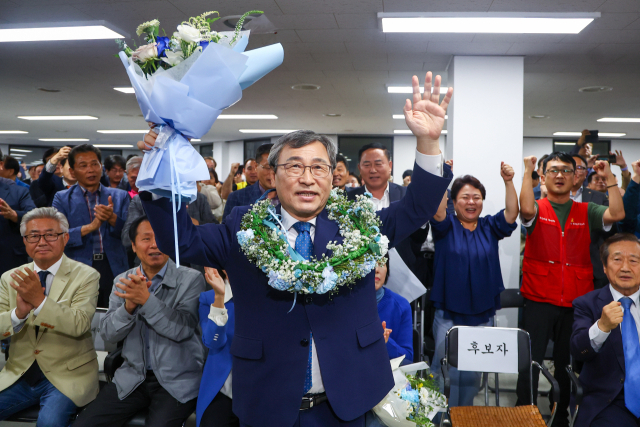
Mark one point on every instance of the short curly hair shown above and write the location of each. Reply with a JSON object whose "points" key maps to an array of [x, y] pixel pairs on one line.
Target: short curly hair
{"points": [[467, 180]]}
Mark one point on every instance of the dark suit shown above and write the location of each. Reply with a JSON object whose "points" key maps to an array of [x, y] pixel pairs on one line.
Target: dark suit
{"points": [[44, 189], [12, 250], [270, 345], [597, 238], [602, 375], [244, 197]]}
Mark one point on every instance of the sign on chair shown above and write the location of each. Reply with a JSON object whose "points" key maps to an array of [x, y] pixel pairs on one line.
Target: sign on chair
{"points": [[483, 349]]}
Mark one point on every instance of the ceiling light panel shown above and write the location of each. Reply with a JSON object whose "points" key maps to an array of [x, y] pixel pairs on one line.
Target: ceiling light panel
{"points": [[63, 139], [603, 134], [113, 146], [12, 132], [125, 89], [278, 131], [57, 117], [88, 32], [20, 151], [124, 131], [491, 23], [619, 120]]}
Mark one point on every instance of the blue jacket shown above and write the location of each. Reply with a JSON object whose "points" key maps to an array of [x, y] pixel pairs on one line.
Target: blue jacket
{"points": [[12, 250], [73, 205], [602, 375], [396, 311], [270, 344], [218, 340], [44, 189], [244, 197]]}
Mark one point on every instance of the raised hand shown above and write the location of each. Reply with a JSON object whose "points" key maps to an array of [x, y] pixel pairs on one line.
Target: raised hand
{"points": [[619, 159], [214, 280], [450, 163], [611, 317], [530, 164], [636, 171], [426, 117], [23, 308], [7, 212], [506, 172], [387, 332], [27, 284], [63, 153], [603, 169]]}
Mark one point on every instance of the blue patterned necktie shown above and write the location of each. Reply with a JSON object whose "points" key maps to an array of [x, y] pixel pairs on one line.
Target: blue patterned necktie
{"points": [[304, 246], [631, 346], [43, 282]]}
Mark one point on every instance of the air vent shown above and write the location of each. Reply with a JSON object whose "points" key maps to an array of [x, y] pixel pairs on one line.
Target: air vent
{"points": [[594, 89], [305, 86], [49, 90], [538, 117], [332, 115]]}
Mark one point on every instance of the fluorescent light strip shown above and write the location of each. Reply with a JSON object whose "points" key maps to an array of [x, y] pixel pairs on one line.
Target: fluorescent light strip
{"points": [[619, 120], [401, 116], [63, 139], [124, 131], [409, 89], [407, 131], [195, 140], [17, 155], [604, 134], [278, 131], [112, 146], [247, 116], [125, 89], [11, 132], [565, 143], [57, 117], [90, 32], [21, 151], [491, 25]]}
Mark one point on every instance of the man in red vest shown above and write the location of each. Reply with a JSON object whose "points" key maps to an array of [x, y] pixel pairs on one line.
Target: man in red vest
{"points": [[557, 265]]}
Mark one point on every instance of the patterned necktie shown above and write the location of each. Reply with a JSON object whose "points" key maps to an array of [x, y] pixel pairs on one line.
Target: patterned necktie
{"points": [[304, 246], [43, 282], [631, 346]]}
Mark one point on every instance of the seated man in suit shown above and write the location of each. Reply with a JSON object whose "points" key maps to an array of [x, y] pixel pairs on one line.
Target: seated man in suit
{"points": [[96, 215], [46, 308], [250, 194], [323, 361], [154, 309], [605, 338]]}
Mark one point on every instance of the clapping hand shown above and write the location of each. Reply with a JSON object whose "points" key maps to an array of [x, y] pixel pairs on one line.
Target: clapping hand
{"points": [[7, 212], [27, 284], [136, 290], [426, 118], [506, 172], [23, 308], [387, 332], [105, 212], [214, 280], [612, 315]]}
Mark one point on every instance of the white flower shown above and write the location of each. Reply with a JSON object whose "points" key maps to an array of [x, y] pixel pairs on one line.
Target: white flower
{"points": [[189, 33], [145, 53], [144, 26], [173, 58]]}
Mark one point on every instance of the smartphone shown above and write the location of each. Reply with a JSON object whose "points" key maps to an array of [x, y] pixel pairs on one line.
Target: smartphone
{"points": [[593, 137], [610, 158]]}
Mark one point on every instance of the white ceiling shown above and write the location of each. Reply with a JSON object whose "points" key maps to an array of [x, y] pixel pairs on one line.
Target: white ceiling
{"points": [[336, 44]]}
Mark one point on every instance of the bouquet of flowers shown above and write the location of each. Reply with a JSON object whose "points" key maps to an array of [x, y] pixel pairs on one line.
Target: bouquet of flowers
{"points": [[413, 401], [182, 84]]}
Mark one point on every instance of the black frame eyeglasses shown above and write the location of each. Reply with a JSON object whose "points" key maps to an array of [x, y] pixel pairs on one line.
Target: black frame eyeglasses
{"points": [[48, 237]]}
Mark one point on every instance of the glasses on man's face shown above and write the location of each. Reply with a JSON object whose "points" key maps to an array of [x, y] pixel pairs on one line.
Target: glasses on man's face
{"points": [[580, 168], [318, 170], [266, 167], [554, 172], [49, 237]]}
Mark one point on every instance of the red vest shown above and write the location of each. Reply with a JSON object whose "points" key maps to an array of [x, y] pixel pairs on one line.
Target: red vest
{"points": [[557, 266]]}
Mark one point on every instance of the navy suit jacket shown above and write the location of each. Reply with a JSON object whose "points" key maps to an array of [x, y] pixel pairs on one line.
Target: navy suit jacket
{"points": [[73, 205], [602, 375], [44, 189], [12, 250], [244, 197], [270, 344], [218, 340]]}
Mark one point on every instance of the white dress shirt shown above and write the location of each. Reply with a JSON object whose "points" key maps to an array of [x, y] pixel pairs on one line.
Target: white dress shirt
{"points": [[578, 196], [19, 323], [597, 336], [380, 203]]}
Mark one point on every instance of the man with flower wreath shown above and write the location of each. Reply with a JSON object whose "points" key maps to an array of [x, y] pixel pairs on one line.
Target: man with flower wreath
{"points": [[315, 355]]}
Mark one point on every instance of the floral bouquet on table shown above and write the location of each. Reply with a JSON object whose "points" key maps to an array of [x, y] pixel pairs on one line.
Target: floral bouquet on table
{"points": [[413, 401], [182, 84]]}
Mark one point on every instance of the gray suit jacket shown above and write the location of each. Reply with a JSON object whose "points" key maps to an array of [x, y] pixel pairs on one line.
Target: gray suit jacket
{"points": [[171, 313]]}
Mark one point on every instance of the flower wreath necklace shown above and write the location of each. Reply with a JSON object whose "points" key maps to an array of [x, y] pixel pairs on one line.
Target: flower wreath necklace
{"points": [[263, 239]]}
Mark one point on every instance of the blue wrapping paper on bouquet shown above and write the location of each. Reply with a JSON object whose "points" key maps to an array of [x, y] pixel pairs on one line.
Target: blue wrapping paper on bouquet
{"points": [[184, 101]]}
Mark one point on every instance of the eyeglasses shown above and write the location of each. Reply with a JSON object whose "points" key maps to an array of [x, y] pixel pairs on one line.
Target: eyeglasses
{"points": [[266, 167], [557, 171], [298, 169], [49, 237], [581, 168]]}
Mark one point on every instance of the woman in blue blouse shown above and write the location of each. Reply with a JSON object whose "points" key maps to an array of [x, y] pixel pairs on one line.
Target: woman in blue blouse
{"points": [[467, 279], [217, 322], [395, 312]]}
